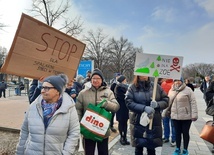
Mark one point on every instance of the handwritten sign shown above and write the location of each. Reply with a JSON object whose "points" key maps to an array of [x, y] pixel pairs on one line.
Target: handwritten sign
{"points": [[160, 66], [39, 50]]}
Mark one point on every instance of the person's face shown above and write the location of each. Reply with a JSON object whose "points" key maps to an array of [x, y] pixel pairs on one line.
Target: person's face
{"points": [[88, 74], [207, 78], [96, 81], [124, 81], [49, 93], [177, 83], [143, 78]]}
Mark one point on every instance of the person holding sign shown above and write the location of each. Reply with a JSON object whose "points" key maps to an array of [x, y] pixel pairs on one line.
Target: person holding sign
{"points": [[94, 95], [139, 101], [183, 112], [51, 124]]}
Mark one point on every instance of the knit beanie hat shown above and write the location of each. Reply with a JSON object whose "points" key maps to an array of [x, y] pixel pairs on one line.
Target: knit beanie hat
{"points": [[98, 72], [58, 81], [121, 78]]}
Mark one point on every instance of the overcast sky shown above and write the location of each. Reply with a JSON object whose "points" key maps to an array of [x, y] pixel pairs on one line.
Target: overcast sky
{"points": [[166, 27]]}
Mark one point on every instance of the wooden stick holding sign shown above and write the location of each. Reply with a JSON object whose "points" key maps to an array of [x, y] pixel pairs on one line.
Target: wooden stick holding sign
{"points": [[153, 99]]}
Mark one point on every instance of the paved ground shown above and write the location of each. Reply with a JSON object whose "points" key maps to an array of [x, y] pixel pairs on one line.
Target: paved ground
{"points": [[197, 146], [13, 109]]}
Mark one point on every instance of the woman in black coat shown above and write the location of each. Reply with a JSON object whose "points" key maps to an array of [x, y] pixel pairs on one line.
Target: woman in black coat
{"points": [[122, 114], [139, 100]]}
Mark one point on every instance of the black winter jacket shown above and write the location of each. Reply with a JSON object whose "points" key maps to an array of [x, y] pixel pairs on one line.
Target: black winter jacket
{"points": [[136, 100]]}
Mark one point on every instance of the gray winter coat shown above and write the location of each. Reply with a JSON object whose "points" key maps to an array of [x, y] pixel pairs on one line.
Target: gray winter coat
{"points": [[60, 137]]}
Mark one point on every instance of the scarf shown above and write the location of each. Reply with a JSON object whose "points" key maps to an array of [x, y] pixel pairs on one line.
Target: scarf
{"points": [[49, 110]]}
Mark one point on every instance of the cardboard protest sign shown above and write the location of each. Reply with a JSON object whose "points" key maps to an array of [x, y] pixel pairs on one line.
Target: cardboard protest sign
{"points": [[39, 50], [159, 66]]}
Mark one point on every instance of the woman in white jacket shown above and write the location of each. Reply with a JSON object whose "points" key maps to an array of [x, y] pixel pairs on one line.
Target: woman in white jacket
{"points": [[51, 125], [183, 112]]}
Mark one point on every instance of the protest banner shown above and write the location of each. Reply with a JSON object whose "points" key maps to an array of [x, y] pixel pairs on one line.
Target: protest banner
{"points": [[39, 50], [160, 66]]}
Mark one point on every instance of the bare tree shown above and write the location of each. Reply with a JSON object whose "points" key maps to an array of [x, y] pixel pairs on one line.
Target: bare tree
{"points": [[2, 26], [122, 56], [54, 12], [110, 56], [96, 48], [198, 71], [3, 53]]}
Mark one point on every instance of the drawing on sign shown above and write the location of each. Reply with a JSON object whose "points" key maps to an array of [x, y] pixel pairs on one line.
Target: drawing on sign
{"points": [[175, 66], [147, 70], [158, 65]]}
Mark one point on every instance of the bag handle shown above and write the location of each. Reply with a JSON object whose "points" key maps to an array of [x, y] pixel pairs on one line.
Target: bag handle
{"points": [[101, 103], [170, 106]]}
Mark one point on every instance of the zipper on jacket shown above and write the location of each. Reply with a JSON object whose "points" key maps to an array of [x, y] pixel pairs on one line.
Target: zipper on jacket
{"points": [[95, 97]]}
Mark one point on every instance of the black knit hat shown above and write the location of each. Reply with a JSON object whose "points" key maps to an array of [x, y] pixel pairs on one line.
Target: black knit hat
{"points": [[121, 78], [59, 82], [98, 72]]}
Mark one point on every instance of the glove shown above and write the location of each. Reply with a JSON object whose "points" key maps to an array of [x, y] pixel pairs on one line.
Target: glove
{"points": [[149, 110], [40, 82], [154, 104]]}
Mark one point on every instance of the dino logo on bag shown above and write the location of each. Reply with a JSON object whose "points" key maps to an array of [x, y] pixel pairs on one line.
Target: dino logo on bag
{"points": [[95, 122]]}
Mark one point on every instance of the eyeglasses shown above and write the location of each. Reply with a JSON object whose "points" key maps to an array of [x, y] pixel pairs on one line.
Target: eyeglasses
{"points": [[46, 88], [96, 78]]}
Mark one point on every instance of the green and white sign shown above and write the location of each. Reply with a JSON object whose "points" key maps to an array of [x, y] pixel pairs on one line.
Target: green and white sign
{"points": [[160, 66]]}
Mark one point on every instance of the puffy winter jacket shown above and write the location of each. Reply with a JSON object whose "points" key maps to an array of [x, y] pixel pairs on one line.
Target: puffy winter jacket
{"points": [[60, 137], [136, 100], [184, 105]]}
